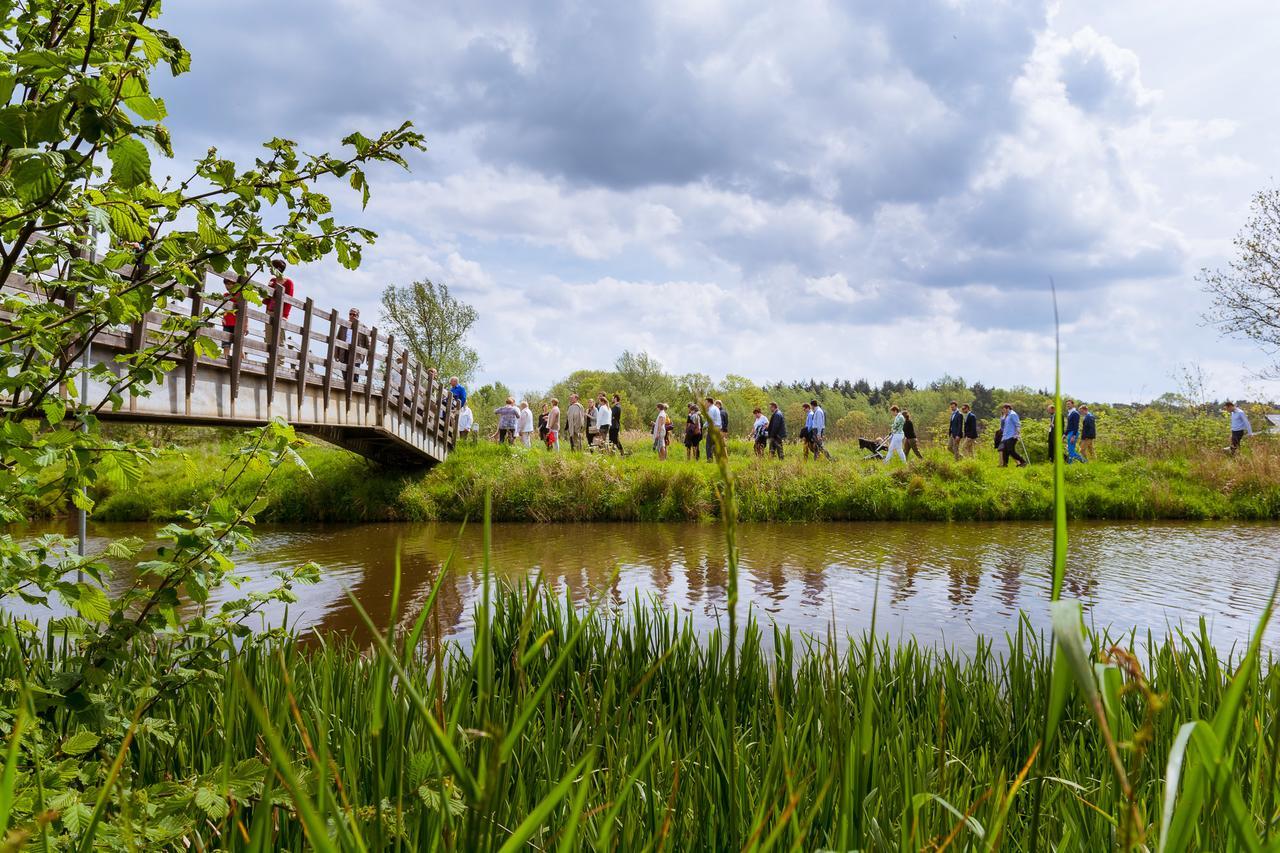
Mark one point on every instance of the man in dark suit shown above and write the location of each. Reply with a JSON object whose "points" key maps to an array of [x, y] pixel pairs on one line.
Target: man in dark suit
{"points": [[777, 429], [615, 427], [955, 430], [970, 442]]}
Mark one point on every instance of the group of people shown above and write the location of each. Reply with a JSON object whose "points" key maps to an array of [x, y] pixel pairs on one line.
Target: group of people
{"points": [[595, 424]]}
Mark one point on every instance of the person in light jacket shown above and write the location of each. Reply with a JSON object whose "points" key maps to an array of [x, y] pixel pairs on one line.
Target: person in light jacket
{"points": [[526, 424], [896, 435], [1240, 426], [575, 422], [553, 425]]}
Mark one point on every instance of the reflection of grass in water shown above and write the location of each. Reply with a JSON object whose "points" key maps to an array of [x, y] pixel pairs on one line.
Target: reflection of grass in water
{"points": [[536, 485], [564, 728]]}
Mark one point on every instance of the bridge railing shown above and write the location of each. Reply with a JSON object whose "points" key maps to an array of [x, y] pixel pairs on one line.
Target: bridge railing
{"points": [[294, 346]]}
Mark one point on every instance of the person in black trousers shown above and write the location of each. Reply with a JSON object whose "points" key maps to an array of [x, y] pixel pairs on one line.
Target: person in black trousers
{"points": [[777, 430], [955, 430], [615, 428], [970, 443], [909, 442]]}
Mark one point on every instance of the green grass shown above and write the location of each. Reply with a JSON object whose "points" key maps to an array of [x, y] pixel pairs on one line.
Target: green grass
{"points": [[538, 486], [632, 712]]}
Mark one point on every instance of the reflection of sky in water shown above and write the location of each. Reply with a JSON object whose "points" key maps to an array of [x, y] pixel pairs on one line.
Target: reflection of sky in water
{"points": [[943, 584]]}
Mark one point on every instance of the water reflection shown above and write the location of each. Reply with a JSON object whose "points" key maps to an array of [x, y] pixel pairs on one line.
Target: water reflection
{"points": [[942, 583]]}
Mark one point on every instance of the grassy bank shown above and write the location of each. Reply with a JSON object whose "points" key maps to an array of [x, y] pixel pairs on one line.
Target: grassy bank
{"points": [[586, 731], [539, 486]]}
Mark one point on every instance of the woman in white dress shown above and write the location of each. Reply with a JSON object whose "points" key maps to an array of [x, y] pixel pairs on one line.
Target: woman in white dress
{"points": [[895, 435]]}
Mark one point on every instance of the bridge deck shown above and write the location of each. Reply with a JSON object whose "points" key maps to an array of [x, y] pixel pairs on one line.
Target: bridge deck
{"points": [[371, 398]]}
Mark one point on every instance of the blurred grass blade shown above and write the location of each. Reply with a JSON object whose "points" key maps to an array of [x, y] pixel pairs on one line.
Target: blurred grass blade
{"points": [[542, 811]]}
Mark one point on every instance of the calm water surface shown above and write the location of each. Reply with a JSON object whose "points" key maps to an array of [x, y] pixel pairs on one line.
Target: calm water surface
{"points": [[944, 584]]}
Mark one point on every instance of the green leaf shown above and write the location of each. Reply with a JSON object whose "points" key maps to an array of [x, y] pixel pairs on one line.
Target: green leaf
{"points": [[36, 174], [13, 128], [130, 163], [80, 743], [212, 803], [54, 410], [92, 603]]}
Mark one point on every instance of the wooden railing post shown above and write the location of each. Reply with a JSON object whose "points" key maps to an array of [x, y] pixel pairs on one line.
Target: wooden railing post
{"points": [[404, 378], [413, 409], [197, 306], [276, 331], [237, 337], [384, 400], [328, 359], [304, 350], [370, 366], [352, 346]]}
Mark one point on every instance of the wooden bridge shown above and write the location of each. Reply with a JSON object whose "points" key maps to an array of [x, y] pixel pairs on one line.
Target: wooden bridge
{"points": [[325, 375]]}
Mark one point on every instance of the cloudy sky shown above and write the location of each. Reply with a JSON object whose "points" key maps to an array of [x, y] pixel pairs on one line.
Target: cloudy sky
{"points": [[843, 189]]}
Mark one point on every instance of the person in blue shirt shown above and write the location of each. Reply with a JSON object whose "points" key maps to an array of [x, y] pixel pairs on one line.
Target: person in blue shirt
{"points": [[458, 391], [818, 430], [1240, 426], [1010, 437], [1072, 433], [806, 432], [1088, 432], [955, 430]]}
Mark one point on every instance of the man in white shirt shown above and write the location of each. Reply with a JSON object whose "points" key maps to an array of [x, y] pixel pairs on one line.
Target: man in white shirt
{"points": [[713, 418], [466, 424], [526, 424], [1240, 426], [818, 432]]}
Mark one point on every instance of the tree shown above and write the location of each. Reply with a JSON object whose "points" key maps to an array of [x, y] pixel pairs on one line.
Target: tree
{"points": [[1246, 295], [78, 130], [433, 324]]}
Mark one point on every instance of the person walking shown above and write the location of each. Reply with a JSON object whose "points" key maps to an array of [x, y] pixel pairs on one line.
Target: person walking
{"points": [[714, 419], [553, 425], [1053, 432], [806, 432], [615, 423], [909, 443], [969, 445], [661, 425], [544, 428], [692, 433], [526, 424], [1072, 433], [759, 431], [604, 420], [466, 424], [508, 420], [1088, 432], [1010, 435], [724, 422], [955, 430], [777, 430], [1240, 426], [818, 433], [576, 422], [896, 435]]}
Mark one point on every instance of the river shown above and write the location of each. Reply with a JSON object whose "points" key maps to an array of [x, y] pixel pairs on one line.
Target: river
{"points": [[944, 584]]}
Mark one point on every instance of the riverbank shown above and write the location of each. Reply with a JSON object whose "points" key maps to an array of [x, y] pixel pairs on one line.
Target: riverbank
{"points": [[536, 485]]}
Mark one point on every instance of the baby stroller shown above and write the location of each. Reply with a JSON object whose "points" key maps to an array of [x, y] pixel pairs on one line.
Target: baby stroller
{"points": [[876, 448]]}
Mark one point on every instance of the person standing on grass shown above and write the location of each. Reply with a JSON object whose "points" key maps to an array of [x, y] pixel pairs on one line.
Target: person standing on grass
{"points": [[714, 419], [553, 425], [591, 422], [1053, 432], [615, 423], [1072, 432], [526, 424], [1088, 432], [818, 434], [1240, 426], [508, 420], [466, 424], [604, 420], [909, 443], [576, 422], [724, 420], [660, 426], [692, 433], [970, 442], [896, 435], [544, 427], [1010, 435], [955, 430], [759, 431], [806, 432], [777, 430]]}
